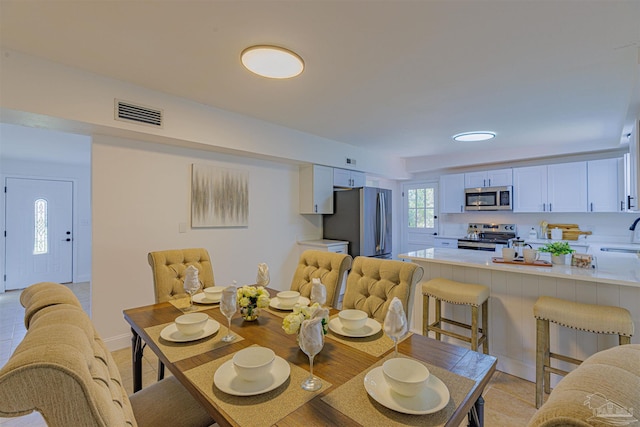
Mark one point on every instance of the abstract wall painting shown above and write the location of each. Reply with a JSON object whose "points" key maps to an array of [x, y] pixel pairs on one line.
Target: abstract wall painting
{"points": [[219, 197]]}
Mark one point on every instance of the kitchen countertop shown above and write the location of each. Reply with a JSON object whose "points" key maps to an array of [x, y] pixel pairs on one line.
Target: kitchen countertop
{"points": [[620, 269]]}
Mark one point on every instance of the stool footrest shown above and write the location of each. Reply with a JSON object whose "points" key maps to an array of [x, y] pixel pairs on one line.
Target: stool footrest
{"points": [[565, 358], [435, 327], [556, 371]]}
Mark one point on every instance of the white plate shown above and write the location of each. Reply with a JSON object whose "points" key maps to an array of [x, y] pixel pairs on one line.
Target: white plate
{"points": [[201, 298], [226, 379], [432, 398], [275, 303], [372, 327], [171, 333]]}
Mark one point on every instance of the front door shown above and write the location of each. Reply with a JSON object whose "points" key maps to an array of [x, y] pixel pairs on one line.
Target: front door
{"points": [[38, 227], [420, 219]]}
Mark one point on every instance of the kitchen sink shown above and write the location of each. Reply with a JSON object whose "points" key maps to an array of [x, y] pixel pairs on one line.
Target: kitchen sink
{"points": [[623, 250]]}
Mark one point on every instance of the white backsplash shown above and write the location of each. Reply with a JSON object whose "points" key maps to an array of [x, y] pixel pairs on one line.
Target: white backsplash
{"points": [[606, 227]]}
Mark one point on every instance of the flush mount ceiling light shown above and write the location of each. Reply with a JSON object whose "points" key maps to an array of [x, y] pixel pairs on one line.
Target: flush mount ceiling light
{"points": [[474, 136], [272, 62]]}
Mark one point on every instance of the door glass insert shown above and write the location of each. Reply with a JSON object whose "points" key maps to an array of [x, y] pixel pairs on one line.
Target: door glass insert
{"points": [[421, 208], [40, 241]]}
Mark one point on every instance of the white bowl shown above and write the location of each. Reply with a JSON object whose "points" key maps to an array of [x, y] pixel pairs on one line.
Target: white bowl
{"points": [[353, 319], [406, 377], [253, 363], [288, 298], [192, 323], [213, 292]]}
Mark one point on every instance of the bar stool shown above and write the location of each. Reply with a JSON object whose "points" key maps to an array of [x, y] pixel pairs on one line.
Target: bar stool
{"points": [[599, 319], [457, 293]]}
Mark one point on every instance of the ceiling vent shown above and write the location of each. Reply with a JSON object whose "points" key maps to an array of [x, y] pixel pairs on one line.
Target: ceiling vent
{"points": [[135, 113]]}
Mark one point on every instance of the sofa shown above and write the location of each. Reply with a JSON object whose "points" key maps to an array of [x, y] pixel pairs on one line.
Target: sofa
{"points": [[603, 390], [63, 370]]}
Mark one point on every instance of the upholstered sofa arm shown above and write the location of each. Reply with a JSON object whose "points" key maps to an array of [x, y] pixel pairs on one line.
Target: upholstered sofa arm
{"points": [[603, 389], [44, 294]]}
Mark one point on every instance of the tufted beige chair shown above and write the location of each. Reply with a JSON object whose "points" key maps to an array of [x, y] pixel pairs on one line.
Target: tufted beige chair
{"points": [[63, 370], [373, 282], [329, 267], [168, 268]]}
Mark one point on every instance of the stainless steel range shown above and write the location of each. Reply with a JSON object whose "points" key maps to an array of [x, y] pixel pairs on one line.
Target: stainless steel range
{"points": [[486, 237]]}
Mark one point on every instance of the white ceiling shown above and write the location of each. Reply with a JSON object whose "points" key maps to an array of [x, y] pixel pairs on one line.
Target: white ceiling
{"points": [[398, 76]]}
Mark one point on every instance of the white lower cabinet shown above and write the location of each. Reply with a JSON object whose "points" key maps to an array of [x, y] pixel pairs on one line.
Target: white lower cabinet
{"points": [[445, 242]]}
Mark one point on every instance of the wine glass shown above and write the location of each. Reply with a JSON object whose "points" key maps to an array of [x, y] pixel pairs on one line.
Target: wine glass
{"points": [[228, 307], [395, 326], [191, 287], [311, 341]]}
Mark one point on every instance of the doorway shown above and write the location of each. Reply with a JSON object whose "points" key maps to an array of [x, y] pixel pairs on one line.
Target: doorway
{"points": [[39, 232], [420, 214]]}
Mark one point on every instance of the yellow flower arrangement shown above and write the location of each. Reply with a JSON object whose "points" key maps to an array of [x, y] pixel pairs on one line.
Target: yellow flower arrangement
{"points": [[291, 323]]}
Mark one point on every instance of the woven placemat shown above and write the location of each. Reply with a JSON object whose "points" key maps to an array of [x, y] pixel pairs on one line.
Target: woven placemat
{"points": [[260, 410], [182, 303], [280, 313], [375, 345], [175, 351], [352, 399]]}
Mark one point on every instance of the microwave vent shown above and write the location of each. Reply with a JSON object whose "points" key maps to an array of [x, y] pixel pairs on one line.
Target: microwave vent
{"points": [[136, 113]]}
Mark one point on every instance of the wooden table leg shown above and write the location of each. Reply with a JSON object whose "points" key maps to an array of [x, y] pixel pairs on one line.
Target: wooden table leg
{"points": [[136, 359]]}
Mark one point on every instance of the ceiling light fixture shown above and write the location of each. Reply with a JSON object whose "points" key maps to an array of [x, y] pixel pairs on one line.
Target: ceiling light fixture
{"points": [[272, 62], [474, 136]]}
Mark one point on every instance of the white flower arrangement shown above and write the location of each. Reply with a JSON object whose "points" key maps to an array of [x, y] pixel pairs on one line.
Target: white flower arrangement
{"points": [[253, 296], [291, 323]]}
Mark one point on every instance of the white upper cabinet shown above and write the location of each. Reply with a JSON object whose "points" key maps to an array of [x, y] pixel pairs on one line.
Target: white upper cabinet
{"points": [[492, 178], [567, 187], [452, 193], [605, 185], [316, 189], [530, 189], [552, 188], [347, 178]]}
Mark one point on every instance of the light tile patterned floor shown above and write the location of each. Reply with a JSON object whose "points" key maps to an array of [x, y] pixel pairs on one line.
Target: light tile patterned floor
{"points": [[509, 401]]}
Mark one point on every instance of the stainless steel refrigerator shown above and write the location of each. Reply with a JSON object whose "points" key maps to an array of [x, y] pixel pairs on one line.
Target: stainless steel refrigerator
{"points": [[362, 217]]}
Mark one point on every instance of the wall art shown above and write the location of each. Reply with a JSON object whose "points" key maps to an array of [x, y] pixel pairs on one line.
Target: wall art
{"points": [[219, 197]]}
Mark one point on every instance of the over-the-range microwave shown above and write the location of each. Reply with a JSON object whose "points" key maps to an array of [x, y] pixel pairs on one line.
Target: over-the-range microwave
{"points": [[488, 198]]}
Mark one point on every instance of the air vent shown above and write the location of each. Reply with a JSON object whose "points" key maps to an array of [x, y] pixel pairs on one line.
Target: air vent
{"points": [[135, 113]]}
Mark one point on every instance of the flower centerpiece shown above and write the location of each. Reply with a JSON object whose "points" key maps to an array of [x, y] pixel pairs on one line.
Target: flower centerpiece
{"points": [[291, 323], [251, 299], [558, 251]]}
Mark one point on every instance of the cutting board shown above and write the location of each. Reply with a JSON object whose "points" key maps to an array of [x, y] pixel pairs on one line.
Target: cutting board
{"points": [[569, 231]]}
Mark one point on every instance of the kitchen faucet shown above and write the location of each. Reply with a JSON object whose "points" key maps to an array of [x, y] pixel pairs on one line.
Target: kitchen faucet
{"points": [[635, 237]]}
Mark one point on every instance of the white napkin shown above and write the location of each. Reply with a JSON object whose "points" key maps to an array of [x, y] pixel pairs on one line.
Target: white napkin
{"points": [[311, 337], [229, 296], [263, 274], [395, 322], [191, 279], [318, 292]]}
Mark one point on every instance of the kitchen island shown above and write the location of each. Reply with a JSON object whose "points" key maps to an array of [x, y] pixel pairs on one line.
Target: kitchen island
{"points": [[513, 291]]}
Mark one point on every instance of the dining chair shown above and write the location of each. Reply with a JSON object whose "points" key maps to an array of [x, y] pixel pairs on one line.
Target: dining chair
{"points": [[63, 370], [373, 282], [329, 267], [169, 270]]}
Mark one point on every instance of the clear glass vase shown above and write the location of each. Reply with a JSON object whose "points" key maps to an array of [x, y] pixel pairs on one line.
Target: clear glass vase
{"points": [[250, 312]]}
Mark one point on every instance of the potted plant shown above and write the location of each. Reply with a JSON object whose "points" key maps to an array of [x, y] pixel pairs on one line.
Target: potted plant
{"points": [[558, 251]]}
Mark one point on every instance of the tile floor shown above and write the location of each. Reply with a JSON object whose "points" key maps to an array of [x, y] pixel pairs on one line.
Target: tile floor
{"points": [[509, 401]]}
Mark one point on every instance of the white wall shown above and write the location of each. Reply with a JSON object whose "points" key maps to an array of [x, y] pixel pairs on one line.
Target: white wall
{"points": [[80, 175], [141, 192]]}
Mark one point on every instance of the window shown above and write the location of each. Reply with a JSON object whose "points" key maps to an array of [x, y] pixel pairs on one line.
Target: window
{"points": [[421, 208], [40, 241]]}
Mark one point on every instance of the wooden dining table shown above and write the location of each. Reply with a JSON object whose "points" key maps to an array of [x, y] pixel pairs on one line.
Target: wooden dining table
{"points": [[337, 365]]}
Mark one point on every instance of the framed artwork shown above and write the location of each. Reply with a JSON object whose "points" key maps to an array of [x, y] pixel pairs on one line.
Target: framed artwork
{"points": [[219, 197]]}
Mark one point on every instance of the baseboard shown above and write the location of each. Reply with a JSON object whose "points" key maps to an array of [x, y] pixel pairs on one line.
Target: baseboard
{"points": [[118, 342]]}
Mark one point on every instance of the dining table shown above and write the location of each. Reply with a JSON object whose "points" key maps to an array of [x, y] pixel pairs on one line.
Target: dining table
{"points": [[345, 365]]}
